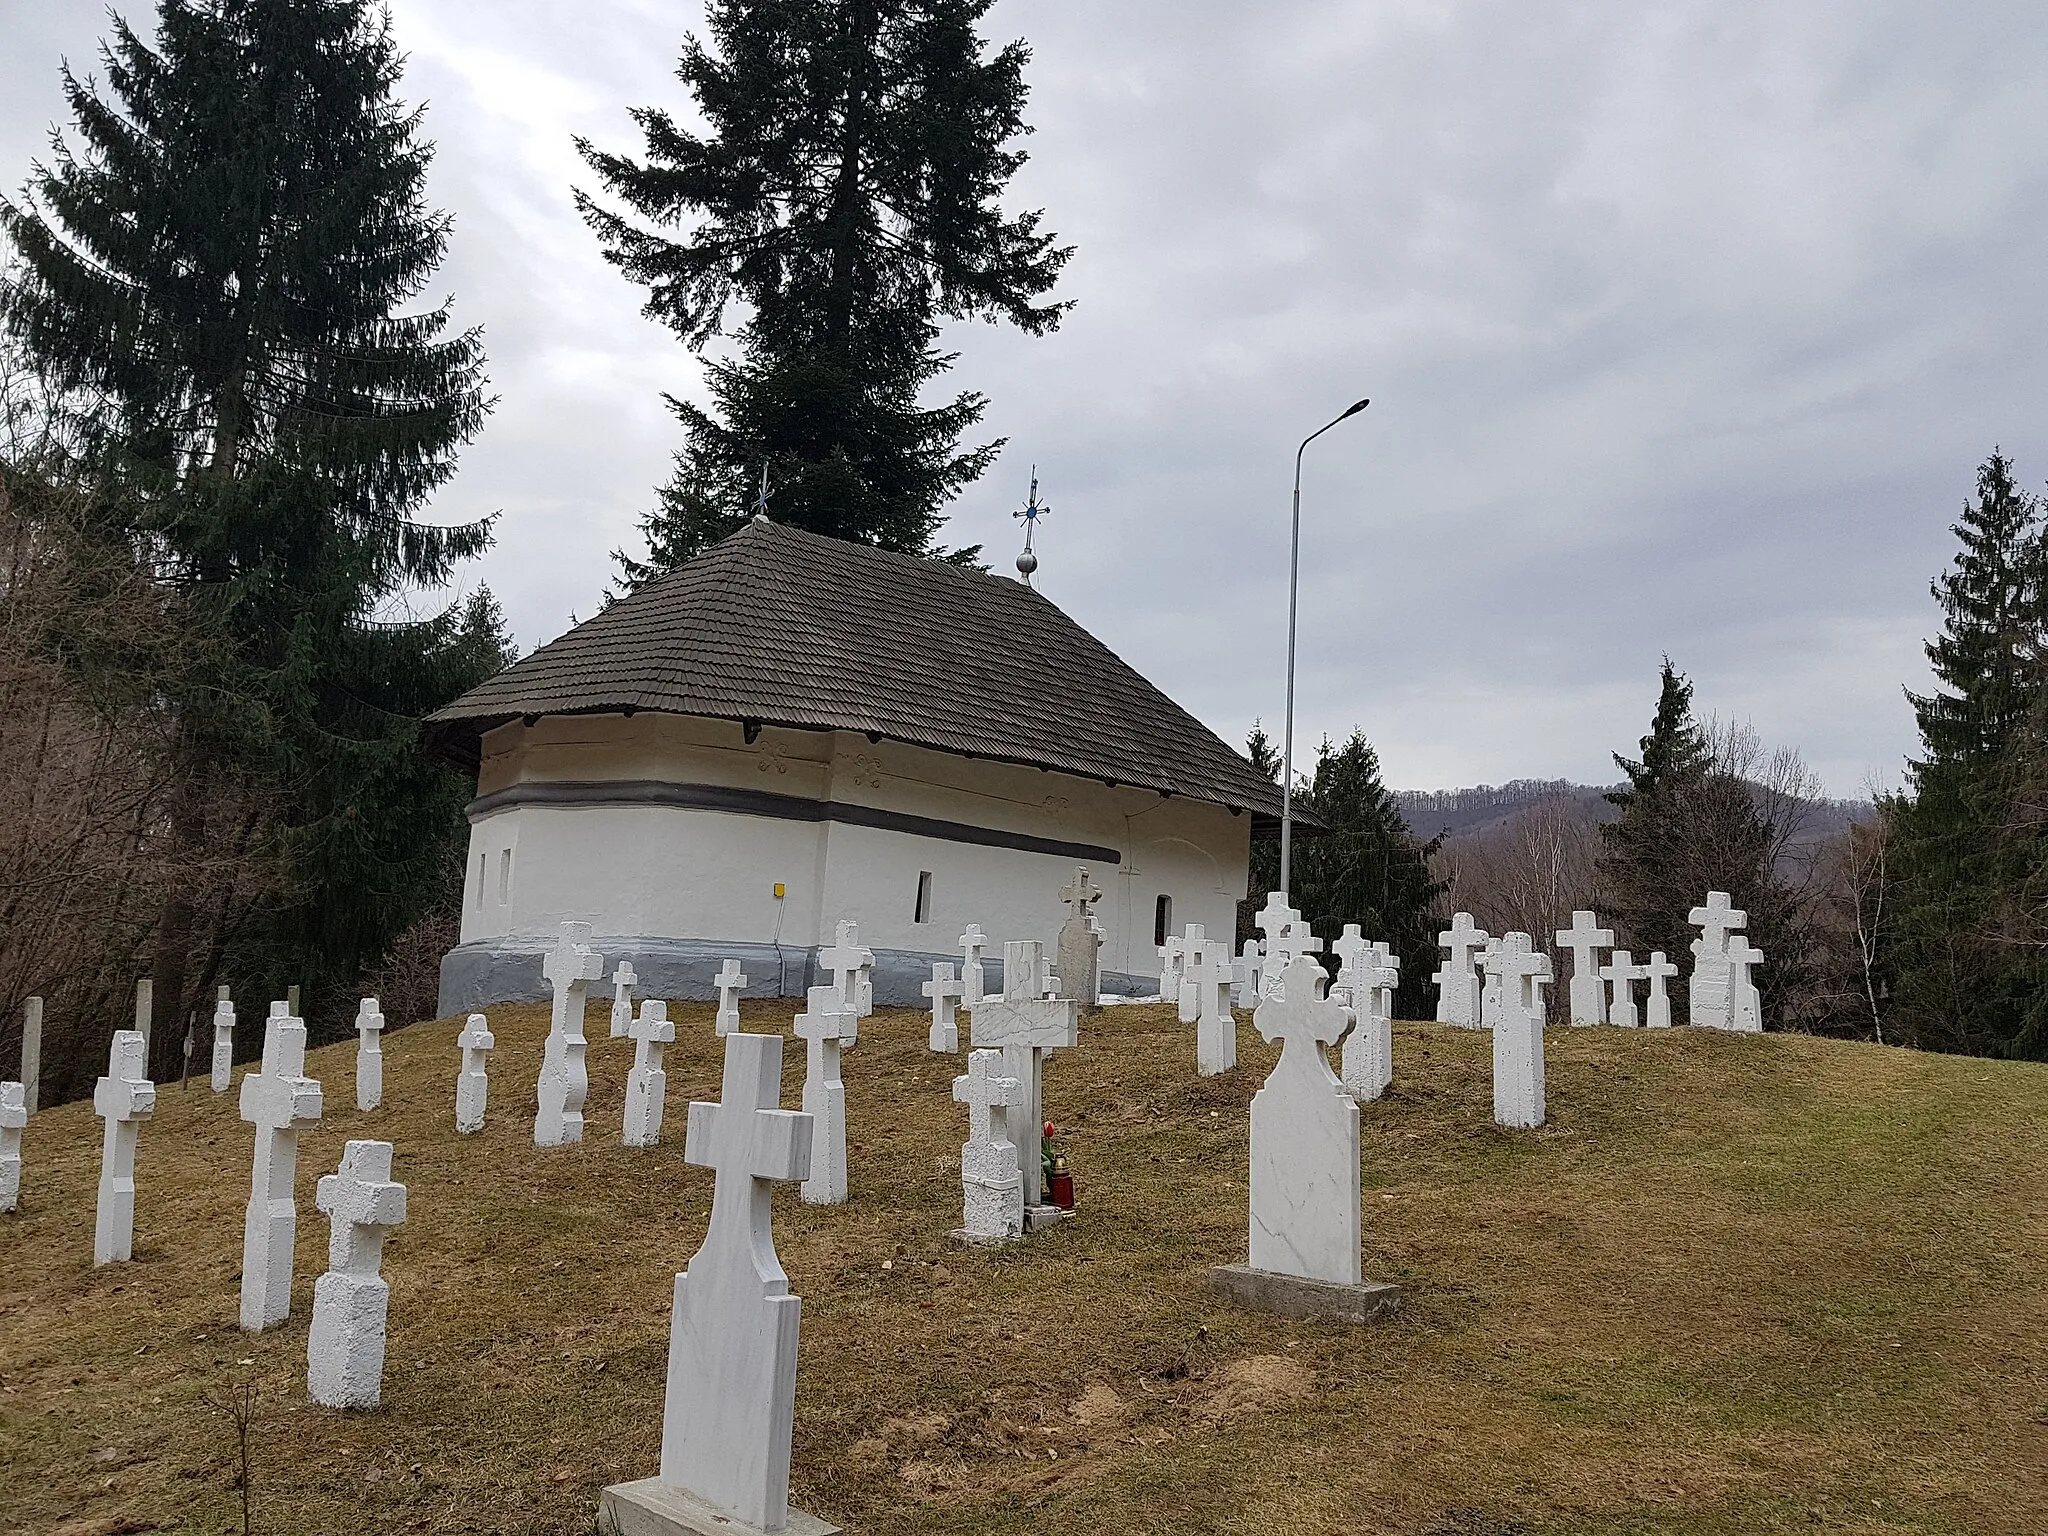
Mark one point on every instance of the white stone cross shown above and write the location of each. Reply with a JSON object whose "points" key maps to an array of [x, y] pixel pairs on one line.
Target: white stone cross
{"points": [[1352, 949], [1377, 1021], [945, 992], [826, 1026], [1745, 1003], [731, 1392], [1244, 976], [1026, 1026], [1172, 959], [624, 979], [280, 1101], [992, 1184], [473, 1085], [571, 966], [1304, 1137], [123, 1098], [730, 981], [1457, 997], [13, 1116], [1080, 941], [369, 1054], [647, 1083], [1657, 1010], [972, 943], [851, 963], [1583, 939], [1358, 1066], [1210, 974], [1518, 969], [1194, 945], [31, 1053], [223, 1043], [1709, 992], [1621, 974], [345, 1346]]}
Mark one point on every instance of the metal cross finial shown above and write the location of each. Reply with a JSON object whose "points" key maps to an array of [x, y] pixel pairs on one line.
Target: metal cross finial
{"points": [[761, 500], [1031, 512]]}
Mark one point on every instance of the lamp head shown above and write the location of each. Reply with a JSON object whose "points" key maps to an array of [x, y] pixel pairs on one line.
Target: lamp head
{"points": [[1355, 409]]}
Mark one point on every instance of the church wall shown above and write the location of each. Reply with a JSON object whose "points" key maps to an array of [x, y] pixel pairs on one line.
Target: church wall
{"points": [[677, 888]]}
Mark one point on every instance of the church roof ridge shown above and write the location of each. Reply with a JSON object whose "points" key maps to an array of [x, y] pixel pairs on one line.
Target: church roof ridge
{"points": [[778, 626]]}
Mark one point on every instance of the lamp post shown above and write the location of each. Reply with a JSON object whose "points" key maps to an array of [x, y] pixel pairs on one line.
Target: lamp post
{"points": [[1293, 593]]}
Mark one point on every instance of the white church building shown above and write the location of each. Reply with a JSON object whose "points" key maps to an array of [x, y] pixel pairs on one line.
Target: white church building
{"points": [[791, 730]]}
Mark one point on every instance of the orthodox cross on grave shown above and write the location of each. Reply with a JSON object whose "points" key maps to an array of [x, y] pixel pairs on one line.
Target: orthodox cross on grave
{"points": [[1518, 970], [123, 1098], [1621, 974], [1583, 939], [1745, 1003], [1209, 979], [1457, 997], [1081, 941], [1657, 1009], [13, 1117], [624, 979], [1194, 947], [730, 981], [1172, 958], [851, 964], [1358, 971], [1031, 512], [571, 966], [972, 943], [647, 1082], [1709, 994], [731, 1390], [1354, 953], [223, 1043], [1244, 975], [945, 991], [280, 1101], [1026, 1026], [473, 1085], [369, 1054], [826, 1026], [1304, 1137], [345, 1347], [991, 1181]]}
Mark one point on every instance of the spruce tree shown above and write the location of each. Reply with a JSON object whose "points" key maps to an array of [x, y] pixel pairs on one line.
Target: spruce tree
{"points": [[847, 197], [226, 258]]}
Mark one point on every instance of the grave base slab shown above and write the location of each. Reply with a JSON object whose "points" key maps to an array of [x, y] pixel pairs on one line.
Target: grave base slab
{"points": [[651, 1507], [1294, 1296], [1037, 1217]]}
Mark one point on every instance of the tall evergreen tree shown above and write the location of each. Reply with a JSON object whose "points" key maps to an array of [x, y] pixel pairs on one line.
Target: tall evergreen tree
{"points": [[227, 260], [847, 197]]}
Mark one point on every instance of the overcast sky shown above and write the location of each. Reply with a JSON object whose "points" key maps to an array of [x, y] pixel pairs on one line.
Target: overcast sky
{"points": [[1685, 328]]}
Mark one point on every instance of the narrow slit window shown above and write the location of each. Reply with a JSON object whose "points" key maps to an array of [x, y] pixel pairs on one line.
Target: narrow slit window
{"points": [[505, 877], [1162, 918], [483, 865], [924, 897]]}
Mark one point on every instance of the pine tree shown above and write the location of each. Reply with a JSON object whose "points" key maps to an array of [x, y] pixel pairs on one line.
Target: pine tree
{"points": [[847, 196], [226, 261]]}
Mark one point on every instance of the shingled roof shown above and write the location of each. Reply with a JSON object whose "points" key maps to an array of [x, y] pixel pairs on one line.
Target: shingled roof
{"points": [[781, 627]]}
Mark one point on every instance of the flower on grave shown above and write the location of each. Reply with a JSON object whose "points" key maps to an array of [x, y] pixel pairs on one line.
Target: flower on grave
{"points": [[1051, 1159]]}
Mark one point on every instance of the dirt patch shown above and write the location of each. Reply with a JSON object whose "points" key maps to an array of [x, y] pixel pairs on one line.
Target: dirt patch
{"points": [[1259, 1384]]}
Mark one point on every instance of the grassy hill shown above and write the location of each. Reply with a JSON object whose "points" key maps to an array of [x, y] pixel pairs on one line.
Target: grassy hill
{"points": [[1737, 1285]]}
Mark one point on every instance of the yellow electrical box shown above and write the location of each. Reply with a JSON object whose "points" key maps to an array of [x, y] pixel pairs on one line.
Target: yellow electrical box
{"points": [[778, 890]]}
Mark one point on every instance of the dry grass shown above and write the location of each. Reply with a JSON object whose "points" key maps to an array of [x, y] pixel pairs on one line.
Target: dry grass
{"points": [[1737, 1285]]}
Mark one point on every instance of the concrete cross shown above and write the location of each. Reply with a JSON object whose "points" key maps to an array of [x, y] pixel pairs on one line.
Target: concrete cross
{"points": [[223, 1043], [1352, 949], [1745, 1003], [1244, 975], [945, 992], [1583, 938], [988, 1095], [826, 1026], [1717, 918], [369, 1054], [972, 943], [1621, 974], [31, 1052], [624, 979], [1490, 991], [991, 1182], [1080, 894], [1657, 1010], [849, 962], [1194, 946], [13, 1116], [473, 1085], [731, 1389], [1215, 1025], [1457, 997], [1172, 959], [1026, 1026], [647, 1082], [1304, 1136], [1710, 995], [123, 1098], [280, 1101], [345, 1347], [571, 966], [1518, 1097], [730, 981]]}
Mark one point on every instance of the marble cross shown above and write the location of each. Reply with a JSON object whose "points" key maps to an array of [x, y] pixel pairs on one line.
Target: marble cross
{"points": [[1745, 1003], [1080, 941], [1194, 945], [1286, 936], [1520, 969], [1709, 993], [945, 992], [124, 1098], [732, 1353], [992, 1183], [369, 1054], [13, 1117], [647, 1082], [345, 1346], [1457, 996], [223, 1043], [1244, 975], [1657, 1010], [1583, 939], [1358, 1067], [1026, 1026], [624, 979], [571, 966], [851, 963], [1621, 974], [31, 1052], [1304, 1137], [730, 981], [1377, 1021], [280, 1101], [473, 1084], [1172, 959], [972, 943], [826, 1026], [1209, 978]]}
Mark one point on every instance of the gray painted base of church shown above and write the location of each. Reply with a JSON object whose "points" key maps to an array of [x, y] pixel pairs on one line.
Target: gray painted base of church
{"points": [[488, 971]]}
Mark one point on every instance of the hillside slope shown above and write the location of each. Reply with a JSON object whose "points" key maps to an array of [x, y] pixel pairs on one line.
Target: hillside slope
{"points": [[1738, 1285]]}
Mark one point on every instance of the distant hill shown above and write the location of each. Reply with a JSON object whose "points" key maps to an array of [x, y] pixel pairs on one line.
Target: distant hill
{"points": [[1459, 813]]}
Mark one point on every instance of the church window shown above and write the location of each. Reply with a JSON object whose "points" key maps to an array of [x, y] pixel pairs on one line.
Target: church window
{"points": [[505, 877], [483, 864], [924, 897], [1162, 918]]}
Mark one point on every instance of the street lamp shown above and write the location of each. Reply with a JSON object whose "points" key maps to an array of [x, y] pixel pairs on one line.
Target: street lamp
{"points": [[1293, 590]]}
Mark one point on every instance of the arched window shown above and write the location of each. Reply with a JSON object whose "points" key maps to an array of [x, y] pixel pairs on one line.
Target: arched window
{"points": [[1162, 918]]}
